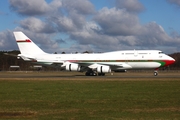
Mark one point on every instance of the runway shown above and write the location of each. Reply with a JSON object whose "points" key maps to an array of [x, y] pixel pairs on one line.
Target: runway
{"points": [[61, 75]]}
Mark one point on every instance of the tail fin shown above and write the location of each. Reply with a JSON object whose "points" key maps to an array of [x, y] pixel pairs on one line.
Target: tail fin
{"points": [[26, 46]]}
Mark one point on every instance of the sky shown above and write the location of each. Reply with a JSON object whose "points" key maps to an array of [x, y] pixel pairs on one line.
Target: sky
{"points": [[92, 25]]}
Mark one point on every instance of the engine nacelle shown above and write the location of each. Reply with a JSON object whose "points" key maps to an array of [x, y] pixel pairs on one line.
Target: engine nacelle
{"points": [[103, 69], [73, 67]]}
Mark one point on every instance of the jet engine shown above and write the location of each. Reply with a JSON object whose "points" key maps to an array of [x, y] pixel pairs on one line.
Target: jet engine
{"points": [[103, 69], [73, 67]]}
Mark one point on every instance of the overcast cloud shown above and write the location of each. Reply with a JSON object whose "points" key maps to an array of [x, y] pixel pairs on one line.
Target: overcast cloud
{"points": [[86, 28]]}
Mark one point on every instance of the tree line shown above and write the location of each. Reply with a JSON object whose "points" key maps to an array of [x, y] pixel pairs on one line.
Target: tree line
{"points": [[9, 58]]}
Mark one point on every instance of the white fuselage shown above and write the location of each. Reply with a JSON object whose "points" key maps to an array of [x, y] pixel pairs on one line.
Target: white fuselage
{"points": [[132, 59]]}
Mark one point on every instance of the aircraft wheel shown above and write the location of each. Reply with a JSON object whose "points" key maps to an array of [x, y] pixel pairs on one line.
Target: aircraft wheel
{"points": [[91, 74], [155, 73], [94, 74], [87, 74]]}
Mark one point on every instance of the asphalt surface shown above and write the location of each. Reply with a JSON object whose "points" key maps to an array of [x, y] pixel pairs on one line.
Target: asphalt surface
{"points": [[30, 75]]}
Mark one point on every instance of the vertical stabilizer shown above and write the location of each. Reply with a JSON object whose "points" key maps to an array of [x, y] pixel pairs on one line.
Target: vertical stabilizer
{"points": [[26, 46]]}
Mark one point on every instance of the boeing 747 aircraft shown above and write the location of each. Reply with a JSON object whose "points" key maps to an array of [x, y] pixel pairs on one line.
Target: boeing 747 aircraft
{"points": [[95, 63]]}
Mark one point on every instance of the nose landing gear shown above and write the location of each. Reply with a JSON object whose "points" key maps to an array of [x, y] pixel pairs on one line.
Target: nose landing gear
{"points": [[156, 72]]}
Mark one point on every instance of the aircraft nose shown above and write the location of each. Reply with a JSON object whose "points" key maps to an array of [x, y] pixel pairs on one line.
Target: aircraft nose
{"points": [[170, 61]]}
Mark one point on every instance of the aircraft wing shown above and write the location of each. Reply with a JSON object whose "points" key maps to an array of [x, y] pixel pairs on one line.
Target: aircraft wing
{"points": [[113, 66], [84, 66], [120, 66]]}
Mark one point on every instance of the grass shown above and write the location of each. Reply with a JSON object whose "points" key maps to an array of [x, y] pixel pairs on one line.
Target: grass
{"points": [[77, 99]]}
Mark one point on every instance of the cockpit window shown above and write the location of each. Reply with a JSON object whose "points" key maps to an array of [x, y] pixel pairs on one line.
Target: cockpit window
{"points": [[161, 53]]}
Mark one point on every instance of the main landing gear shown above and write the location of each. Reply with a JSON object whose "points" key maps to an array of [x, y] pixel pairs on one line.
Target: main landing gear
{"points": [[90, 72], [93, 73]]}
